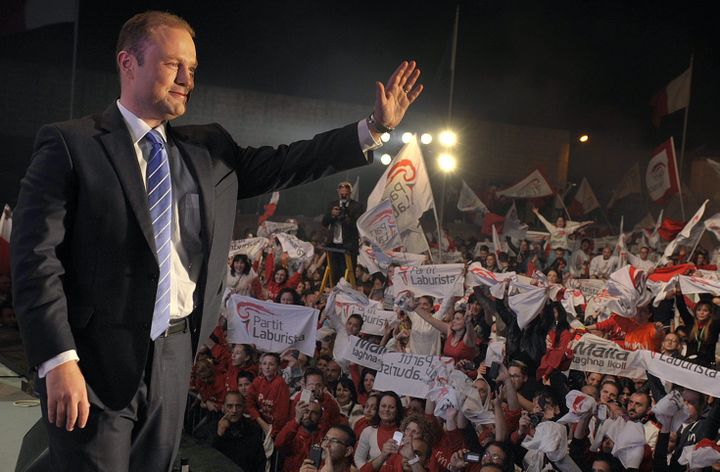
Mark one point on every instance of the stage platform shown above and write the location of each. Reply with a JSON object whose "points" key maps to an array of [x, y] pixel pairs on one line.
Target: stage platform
{"points": [[20, 410]]}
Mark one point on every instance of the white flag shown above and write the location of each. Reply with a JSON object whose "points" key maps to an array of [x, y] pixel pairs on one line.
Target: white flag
{"points": [[469, 201], [527, 303], [355, 192], [295, 248], [405, 182], [439, 280], [712, 224], [268, 228], [629, 184], [512, 226], [690, 233], [414, 240], [272, 327], [585, 199], [251, 247], [378, 226], [533, 186]]}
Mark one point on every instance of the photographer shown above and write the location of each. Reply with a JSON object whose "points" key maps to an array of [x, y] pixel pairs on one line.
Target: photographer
{"points": [[341, 219]]}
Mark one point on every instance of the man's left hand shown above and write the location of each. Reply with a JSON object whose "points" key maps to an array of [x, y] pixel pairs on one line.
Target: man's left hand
{"points": [[394, 98]]}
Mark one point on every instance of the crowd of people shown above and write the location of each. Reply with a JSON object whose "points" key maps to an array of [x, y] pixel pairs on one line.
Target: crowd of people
{"points": [[529, 411]]}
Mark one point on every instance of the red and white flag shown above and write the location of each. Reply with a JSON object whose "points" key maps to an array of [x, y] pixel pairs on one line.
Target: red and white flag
{"points": [[469, 201], [712, 224], [675, 96], [661, 176], [689, 234], [5, 230], [378, 226], [533, 186], [405, 182], [269, 208], [585, 200], [512, 226], [629, 184]]}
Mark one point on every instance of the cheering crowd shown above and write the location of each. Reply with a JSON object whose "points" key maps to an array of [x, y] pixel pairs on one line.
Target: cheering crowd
{"points": [[504, 394]]}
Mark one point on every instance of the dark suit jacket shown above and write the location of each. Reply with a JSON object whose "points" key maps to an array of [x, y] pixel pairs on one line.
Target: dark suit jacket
{"points": [[348, 220], [83, 258]]}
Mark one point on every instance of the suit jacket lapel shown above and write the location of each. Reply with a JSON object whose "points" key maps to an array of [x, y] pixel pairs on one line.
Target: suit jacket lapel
{"points": [[197, 158], [120, 150]]}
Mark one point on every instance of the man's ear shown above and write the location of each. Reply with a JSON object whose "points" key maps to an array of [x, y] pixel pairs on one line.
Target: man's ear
{"points": [[126, 63], [350, 451]]}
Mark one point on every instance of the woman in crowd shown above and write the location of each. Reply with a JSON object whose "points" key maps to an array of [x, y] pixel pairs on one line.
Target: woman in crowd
{"points": [[558, 336], [704, 330], [369, 411], [288, 296], [386, 421], [346, 396], [241, 276], [278, 279], [363, 382], [460, 342]]}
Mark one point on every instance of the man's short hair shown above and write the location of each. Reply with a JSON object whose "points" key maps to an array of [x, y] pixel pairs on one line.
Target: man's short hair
{"points": [[135, 32], [245, 374], [313, 371], [351, 439], [520, 365]]}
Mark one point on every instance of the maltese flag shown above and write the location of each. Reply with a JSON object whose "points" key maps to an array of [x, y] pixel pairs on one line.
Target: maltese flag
{"points": [[673, 97], [661, 176]]}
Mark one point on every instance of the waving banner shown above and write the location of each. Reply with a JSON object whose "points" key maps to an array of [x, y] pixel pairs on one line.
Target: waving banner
{"points": [[682, 372], [478, 275], [272, 327], [374, 318], [378, 226], [364, 353], [251, 247], [405, 183], [408, 374], [440, 280], [533, 186], [269, 228], [595, 354], [295, 248]]}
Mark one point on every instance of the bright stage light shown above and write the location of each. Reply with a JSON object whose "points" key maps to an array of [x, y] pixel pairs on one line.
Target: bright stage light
{"points": [[584, 138], [385, 137], [448, 138], [447, 162], [426, 138], [406, 137], [385, 159]]}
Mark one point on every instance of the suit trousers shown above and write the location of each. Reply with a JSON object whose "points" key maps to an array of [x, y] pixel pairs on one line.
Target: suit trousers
{"points": [[143, 436]]}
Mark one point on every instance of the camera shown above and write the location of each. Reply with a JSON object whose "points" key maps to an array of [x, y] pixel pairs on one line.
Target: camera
{"points": [[473, 457]]}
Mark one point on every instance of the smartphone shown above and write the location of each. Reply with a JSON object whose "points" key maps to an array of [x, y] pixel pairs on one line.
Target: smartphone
{"points": [[472, 457], [315, 455], [398, 437], [602, 412], [305, 395], [494, 371]]}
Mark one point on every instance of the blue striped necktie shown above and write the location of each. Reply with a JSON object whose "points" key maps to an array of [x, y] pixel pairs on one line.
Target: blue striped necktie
{"points": [[159, 190]]}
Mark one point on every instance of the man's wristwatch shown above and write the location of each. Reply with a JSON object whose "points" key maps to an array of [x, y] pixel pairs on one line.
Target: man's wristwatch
{"points": [[377, 126], [414, 460]]}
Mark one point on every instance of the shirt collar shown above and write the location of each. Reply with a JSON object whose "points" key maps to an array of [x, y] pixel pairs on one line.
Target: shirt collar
{"points": [[137, 127]]}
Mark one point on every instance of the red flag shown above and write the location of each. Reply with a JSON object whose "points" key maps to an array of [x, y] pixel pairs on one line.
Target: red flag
{"points": [[673, 97], [269, 208], [490, 220], [670, 228]]}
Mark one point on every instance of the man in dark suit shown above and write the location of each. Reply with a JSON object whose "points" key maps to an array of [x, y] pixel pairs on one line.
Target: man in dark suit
{"points": [[341, 221], [120, 242]]}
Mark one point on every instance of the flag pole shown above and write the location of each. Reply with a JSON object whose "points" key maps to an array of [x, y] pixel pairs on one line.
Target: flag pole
{"points": [[682, 147], [557, 194], [453, 56], [73, 71]]}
